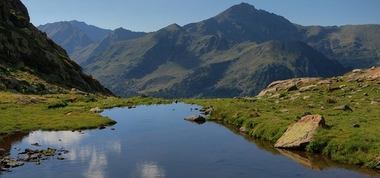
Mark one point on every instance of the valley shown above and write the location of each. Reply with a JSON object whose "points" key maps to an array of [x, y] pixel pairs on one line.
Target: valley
{"points": [[250, 70]]}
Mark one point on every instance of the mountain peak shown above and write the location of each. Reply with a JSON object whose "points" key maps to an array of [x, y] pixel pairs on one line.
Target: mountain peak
{"points": [[243, 6], [243, 22], [174, 26], [243, 11]]}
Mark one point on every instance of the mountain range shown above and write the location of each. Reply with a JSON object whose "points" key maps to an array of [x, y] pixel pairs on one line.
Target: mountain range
{"points": [[237, 52], [30, 62]]}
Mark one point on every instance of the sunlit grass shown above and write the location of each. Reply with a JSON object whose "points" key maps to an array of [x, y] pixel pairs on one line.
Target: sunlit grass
{"points": [[265, 118], [268, 118], [35, 112]]}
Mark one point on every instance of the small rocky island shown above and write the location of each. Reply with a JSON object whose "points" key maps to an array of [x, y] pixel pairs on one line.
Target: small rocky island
{"points": [[28, 155]]}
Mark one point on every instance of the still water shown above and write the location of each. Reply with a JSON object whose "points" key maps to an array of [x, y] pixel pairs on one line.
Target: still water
{"points": [[155, 141]]}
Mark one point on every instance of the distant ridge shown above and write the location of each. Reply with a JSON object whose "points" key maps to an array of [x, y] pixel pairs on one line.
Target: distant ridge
{"points": [[93, 32], [237, 52], [114, 36]]}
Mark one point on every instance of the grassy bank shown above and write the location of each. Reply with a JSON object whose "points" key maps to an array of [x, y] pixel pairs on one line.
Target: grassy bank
{"points": [[58, 111], [350, 136]]}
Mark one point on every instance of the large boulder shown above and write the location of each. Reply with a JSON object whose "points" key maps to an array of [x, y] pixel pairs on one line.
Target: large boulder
{"points": [[301, 133], [287, 85]]}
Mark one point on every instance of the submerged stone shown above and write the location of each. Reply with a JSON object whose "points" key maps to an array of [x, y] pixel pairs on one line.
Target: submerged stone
{"points": [[195, 118]]}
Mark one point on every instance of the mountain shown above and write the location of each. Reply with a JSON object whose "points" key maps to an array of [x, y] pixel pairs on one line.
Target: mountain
{"points": [[357, 46], [224, 55], [93, 32], [175, 62], [245, 23], [30, 62], [246, 74], [69, 37], [116, 35], [73, 35]]}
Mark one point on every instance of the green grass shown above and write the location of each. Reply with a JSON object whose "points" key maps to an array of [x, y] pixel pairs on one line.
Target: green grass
{"points": [[268, 118], [265, 118], [59, 111]]}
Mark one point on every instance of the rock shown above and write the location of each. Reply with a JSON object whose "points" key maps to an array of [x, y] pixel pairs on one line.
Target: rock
{"points": [[377, 166], [333, 89], [375, 102], [342, 86], [277, 96], [195, 118], [3, 169], [355, 125], [35, 144], [344, 108], [101, 127], [255, 114], [288, 85], [308, 88], [306, 113], [60, 158], [12, 83], [207, 110], [357, 70], [284, 111], [76, 91], [96, 110], [243, 129], [323, 82], [14, 163], [301, 133], [292, 87]]}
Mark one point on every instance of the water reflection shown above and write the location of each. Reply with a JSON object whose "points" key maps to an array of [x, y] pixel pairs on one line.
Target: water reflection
{"points": [[97, 164], [8, 141], [150, 170], [159, 143], [63, 138], [197, 122], [312, 161]]}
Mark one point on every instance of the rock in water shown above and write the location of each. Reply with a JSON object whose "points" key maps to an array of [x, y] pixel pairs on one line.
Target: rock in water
{"points": [[301, 133], [195, 118]]}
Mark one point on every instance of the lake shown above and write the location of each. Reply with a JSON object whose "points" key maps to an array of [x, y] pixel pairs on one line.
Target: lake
{"points": [[155, 141]]}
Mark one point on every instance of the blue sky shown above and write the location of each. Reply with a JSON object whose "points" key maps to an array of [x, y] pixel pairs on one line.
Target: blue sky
{"points": [[152, 15]]}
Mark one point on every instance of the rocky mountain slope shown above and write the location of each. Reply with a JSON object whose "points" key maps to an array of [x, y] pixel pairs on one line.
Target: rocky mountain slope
{"points": [[30, 62], [357, 46], [209, 58], [73, 35], [93, 49], [168, 62], [82, 40]]}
